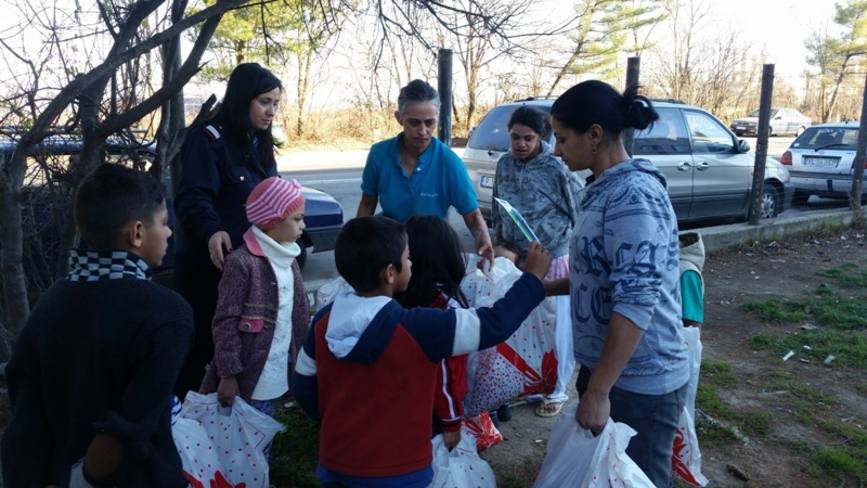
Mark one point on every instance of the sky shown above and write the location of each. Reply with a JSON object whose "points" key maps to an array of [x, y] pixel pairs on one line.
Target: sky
{"points": [[780, 27]]}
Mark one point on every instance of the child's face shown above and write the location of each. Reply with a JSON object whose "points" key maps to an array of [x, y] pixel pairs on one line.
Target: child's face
{"points": [[401, 281], [153, 237], [290, 229]]}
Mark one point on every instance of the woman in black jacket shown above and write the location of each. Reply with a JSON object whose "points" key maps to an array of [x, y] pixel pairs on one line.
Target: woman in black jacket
{"points": [[223, 159]]}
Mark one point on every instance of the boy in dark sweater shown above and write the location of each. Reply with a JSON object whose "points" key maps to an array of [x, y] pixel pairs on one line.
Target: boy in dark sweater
{"points": [[91, 377], [367, 370]]}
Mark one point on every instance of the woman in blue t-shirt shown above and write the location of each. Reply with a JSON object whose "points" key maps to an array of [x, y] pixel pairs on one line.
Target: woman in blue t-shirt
{"points": [[416, 174]]}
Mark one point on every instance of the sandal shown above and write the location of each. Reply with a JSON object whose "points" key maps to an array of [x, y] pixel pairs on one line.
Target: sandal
{"points": [[551, 409]]}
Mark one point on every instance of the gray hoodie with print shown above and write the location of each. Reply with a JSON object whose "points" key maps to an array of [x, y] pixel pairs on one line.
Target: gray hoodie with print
{"points": [[545, 192]]}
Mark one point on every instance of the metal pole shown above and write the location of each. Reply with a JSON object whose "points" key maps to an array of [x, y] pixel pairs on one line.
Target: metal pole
{"points": [[860, 159], [762, 143], [444, 85], [633, 68]]}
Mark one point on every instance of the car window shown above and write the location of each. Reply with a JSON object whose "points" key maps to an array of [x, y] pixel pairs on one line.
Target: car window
{"points": [[841, 138], [667, 135], [708, 135], [492, 132], [756, 113]]}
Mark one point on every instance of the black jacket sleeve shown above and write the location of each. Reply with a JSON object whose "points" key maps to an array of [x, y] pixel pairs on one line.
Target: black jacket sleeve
{"points": [[27, 447], [198, 186]]}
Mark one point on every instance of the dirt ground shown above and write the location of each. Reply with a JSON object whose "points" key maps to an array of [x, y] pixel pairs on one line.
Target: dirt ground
{"points": [[783, 422]]}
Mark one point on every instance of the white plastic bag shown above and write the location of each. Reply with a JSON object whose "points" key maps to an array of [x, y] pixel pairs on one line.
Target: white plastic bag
{"points": [[686, 456], [329, 291], [523, 365], [223, 446], [692, 336], [462, 467], [576, 459]]}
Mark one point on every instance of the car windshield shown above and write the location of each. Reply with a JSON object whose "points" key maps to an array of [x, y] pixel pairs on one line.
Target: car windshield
{"points": [[756, 113], [841, 138], [492, 134]]}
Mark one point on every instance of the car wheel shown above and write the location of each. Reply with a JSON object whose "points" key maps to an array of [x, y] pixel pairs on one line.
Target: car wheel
{"points": [[800, 131], [302, 258], [770, 202]]}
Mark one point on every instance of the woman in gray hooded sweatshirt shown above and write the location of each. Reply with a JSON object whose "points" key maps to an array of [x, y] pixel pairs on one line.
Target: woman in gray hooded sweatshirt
{"points": [[624, 276], [534, 181]]}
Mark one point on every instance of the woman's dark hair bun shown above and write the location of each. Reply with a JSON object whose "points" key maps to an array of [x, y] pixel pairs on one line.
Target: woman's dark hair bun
{"points": [[638, 111]]}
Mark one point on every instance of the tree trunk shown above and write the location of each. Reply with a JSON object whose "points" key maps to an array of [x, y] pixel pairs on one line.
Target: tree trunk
{"points": [[14, 284], [304, 68], [826, 114]]}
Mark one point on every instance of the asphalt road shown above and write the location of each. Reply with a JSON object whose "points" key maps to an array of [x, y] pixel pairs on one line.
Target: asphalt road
{"points": [[339, 174]]}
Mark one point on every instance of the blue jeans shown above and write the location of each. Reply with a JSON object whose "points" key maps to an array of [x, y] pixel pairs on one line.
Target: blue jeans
{"points": [[654, 417]]}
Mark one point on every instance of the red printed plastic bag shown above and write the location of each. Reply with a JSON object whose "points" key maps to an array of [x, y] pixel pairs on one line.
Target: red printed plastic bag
{"points": [[223, 447], [576, 459], [526, 363], [461, 467], [686, 457], [482, 428]]}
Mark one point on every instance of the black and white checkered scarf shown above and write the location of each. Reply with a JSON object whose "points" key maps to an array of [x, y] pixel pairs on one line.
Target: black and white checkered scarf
{"points": [[107, 265]]}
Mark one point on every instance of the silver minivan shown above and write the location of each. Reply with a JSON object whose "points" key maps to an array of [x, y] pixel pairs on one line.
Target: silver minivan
{"points": [[708, 169]]}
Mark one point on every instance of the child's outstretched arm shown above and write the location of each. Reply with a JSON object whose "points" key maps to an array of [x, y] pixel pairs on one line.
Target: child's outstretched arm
{"points": [[304, 384], [452, 332]]}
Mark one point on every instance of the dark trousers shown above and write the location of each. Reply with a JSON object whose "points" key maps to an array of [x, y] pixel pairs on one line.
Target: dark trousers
{"points": [[654, 417], [197, 282]]}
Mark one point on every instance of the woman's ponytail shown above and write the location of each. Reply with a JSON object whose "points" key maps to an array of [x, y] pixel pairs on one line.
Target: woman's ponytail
{"points": [[638, 111]]}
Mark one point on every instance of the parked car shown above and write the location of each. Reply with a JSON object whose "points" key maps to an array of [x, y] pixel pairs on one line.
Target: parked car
{"points": [[708, 170], [323, 215], [820, 160], [783, 121]]}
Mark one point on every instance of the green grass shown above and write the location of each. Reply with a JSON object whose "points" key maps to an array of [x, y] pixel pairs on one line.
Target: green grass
{"points": [[717, 372], [708, 400], [294, 452], [846, 275], [757, 422], [713, 433], [777, 311], [513, 481], [849, 348], [836, 461]]}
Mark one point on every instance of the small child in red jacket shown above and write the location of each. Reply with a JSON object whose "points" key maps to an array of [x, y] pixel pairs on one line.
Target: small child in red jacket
{"points": [[368, 366], [437, 270], [261, 318]]}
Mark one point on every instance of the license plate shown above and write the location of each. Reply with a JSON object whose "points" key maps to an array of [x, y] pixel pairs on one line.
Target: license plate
{"points": [[486, 181], [815, 162]]}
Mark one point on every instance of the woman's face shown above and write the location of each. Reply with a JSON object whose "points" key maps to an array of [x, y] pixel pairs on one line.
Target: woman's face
{"points": [[525, 141], [419, 122], [263, 108], [574, 148]]}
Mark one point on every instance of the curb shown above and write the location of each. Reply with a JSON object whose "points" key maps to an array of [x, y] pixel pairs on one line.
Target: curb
{"points": [[723, 237]]}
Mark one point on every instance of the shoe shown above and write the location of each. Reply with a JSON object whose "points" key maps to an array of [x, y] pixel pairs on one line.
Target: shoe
{"points": [[504, 413], [549, 409]]}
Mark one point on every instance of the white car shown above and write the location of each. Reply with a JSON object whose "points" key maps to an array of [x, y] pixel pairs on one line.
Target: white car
{"points": [[820, 160], [783, 121]]}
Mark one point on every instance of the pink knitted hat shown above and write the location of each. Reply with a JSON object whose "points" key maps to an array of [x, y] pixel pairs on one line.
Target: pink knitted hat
{"points": [[272, 200]]}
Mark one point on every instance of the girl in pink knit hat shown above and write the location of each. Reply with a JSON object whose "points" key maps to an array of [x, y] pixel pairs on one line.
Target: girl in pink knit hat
{"points": [[261, 318]]}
